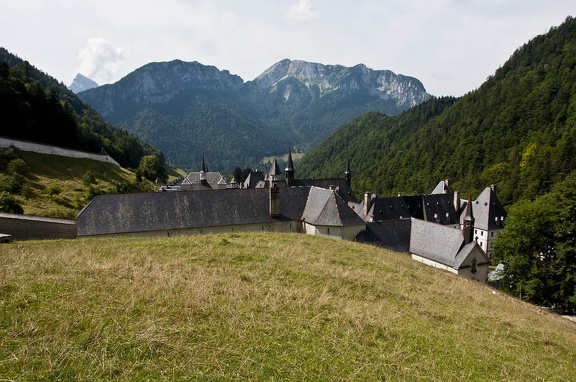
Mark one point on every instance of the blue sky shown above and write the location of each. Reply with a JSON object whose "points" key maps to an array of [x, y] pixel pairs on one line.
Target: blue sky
{"points": [[450, 46]]}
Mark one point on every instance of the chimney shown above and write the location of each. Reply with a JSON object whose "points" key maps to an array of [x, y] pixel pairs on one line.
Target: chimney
{"points": [[446, 185], [274, 200], [367, 202]]}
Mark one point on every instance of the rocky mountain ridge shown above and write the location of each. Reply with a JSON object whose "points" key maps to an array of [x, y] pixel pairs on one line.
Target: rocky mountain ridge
{"points": [[328, 78], [293, 103]]}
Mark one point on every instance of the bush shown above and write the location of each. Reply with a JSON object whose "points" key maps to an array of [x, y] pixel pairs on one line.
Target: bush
{"points": [[9, 205]]}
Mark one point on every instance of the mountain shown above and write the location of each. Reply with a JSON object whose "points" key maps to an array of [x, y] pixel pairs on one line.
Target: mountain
{"points": [[81, 83], [41, 109], [189, 110], [517, 130]]}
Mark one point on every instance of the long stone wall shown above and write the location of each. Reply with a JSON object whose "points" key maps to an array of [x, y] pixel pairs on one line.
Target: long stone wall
{"points": [[54, 150], [25, 227]]}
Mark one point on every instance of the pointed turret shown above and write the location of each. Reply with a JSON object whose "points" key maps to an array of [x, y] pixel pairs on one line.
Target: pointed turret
{"points": [[203, 169], [348, 174], [468, 226], [275, 173], [289, 169]]}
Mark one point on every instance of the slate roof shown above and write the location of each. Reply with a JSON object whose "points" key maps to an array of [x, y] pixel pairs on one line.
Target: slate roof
{"points": [[125, 213], [339, 185], [253, 178], [488, 211], [437, 242], [438, 208], [193, 180], [391, 234], [442, 188], [389, 208], [326, 207]]}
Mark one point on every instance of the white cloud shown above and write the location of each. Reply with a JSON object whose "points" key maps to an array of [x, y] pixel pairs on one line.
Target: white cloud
{"points": [[302, 11], [99, 60]]}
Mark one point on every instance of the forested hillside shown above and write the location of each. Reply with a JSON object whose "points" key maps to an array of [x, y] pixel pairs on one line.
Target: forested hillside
{"points": [[516, 131], [36, 107]]}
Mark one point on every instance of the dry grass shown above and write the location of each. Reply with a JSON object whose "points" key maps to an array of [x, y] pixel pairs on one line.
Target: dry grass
{"points": [[261, 307]]}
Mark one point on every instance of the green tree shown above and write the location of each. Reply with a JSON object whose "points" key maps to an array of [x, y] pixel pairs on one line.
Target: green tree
{"points": [[538, 248], [9, 205], [150, 167]]}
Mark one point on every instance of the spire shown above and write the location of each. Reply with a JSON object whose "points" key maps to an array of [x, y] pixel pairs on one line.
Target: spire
{"points": [[275, 172], [203, 169], [289, 169], [348, 174], [468, 229]]}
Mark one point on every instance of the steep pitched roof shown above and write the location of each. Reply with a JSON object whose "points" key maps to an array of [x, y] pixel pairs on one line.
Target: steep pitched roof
{"points": [[442, 188], [436, 242], [125, 213], [488, 212], [439, 208], [253, 178], [326, 207], [275, 169], [391, 234], [389, 208]]}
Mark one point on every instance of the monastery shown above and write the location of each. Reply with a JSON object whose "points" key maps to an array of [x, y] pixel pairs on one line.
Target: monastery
{"points": [[439, 229]]}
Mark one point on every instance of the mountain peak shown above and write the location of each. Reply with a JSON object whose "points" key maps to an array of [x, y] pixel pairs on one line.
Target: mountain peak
{"points": [[81, 83], [328, 78]]}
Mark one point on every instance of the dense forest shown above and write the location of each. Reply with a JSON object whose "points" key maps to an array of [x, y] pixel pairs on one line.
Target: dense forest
{"points": [[516, 131], [38, 108]]}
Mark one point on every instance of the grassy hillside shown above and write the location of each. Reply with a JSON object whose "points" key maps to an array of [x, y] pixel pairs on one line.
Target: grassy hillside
{"points": [[261, 307], [58, 187]]}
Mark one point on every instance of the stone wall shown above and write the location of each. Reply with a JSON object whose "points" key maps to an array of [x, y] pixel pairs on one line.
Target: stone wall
{"points": [[24, 227], [53, 150]]}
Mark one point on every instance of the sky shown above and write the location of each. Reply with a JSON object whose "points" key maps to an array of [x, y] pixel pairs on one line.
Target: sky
{"points": [[451, 46]]}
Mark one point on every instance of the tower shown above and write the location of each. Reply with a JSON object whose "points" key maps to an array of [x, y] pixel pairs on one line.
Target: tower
{"points": [[468, 226], [275, 173], [203, 170], [348, 174], [289, 169]]}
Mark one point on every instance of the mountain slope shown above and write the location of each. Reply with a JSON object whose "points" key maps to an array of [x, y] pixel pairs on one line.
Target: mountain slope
{"points": [[518, 130], [189, 110]]}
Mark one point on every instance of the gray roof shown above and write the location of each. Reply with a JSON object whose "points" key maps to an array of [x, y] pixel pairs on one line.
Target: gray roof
{"points": [[391, 234], [436, 242], [438, 208], [340, 185], [211, 178], [489, 214], [124, 213], [253, 178], [442, 188], [326, 207]]}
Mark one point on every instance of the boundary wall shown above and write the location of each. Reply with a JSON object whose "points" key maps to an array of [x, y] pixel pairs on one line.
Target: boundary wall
{"points": [[54, 150]]}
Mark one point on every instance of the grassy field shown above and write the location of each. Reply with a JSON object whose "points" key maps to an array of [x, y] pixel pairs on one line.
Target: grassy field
{"points": [[261, 307]]}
